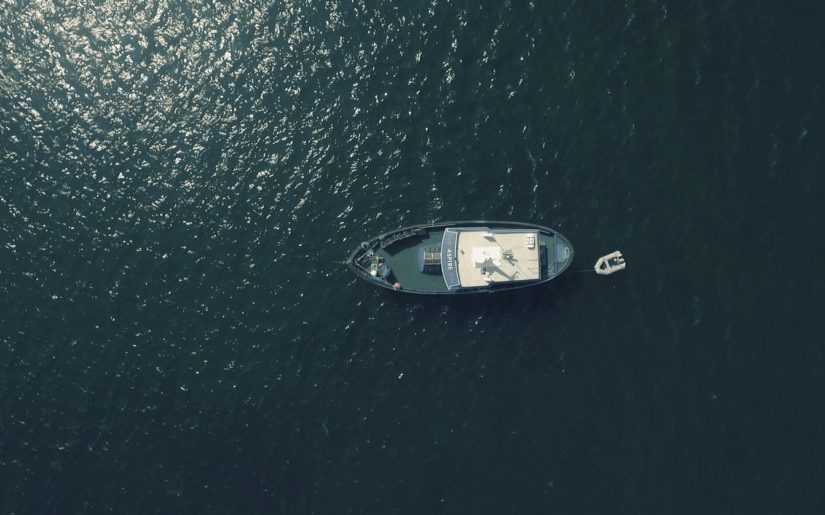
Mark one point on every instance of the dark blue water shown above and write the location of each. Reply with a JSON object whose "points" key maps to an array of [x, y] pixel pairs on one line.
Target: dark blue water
{"points": [[177, 181]]}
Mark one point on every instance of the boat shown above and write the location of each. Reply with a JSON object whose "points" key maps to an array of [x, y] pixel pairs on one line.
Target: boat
{"points": [[610, 263], [451, 258]]}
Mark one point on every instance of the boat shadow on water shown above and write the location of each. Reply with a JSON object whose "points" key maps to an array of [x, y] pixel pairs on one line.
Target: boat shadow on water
{"points": [[544, 301]]}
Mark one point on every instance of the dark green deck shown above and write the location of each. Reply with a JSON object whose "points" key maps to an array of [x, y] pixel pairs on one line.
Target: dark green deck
{"points": [[402, 257]]}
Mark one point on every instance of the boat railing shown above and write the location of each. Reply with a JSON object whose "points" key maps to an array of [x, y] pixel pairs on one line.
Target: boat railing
{"points": [[392, 238]]}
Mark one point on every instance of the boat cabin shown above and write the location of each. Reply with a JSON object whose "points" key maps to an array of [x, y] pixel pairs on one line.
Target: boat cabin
{"points": [[477, 257]]}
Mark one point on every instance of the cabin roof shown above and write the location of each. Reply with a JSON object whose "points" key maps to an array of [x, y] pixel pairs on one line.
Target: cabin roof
{"points": [[481, 257]]}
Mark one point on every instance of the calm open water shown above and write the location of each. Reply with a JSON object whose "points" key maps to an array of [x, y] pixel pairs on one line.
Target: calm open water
{"points": [[177, 180]]}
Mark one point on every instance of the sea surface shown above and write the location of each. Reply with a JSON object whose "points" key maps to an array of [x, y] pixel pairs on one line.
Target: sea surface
{"points": [[179, 182]]}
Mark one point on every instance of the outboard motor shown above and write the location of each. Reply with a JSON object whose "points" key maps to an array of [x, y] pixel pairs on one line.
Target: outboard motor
{"points": [[429, 260]]}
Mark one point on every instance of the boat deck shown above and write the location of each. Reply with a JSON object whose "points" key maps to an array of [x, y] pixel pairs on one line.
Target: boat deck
{"points": [[404, 261]]}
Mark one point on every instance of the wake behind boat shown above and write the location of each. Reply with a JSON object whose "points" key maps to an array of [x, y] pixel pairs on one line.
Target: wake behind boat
{"points": [[462, 257]]}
